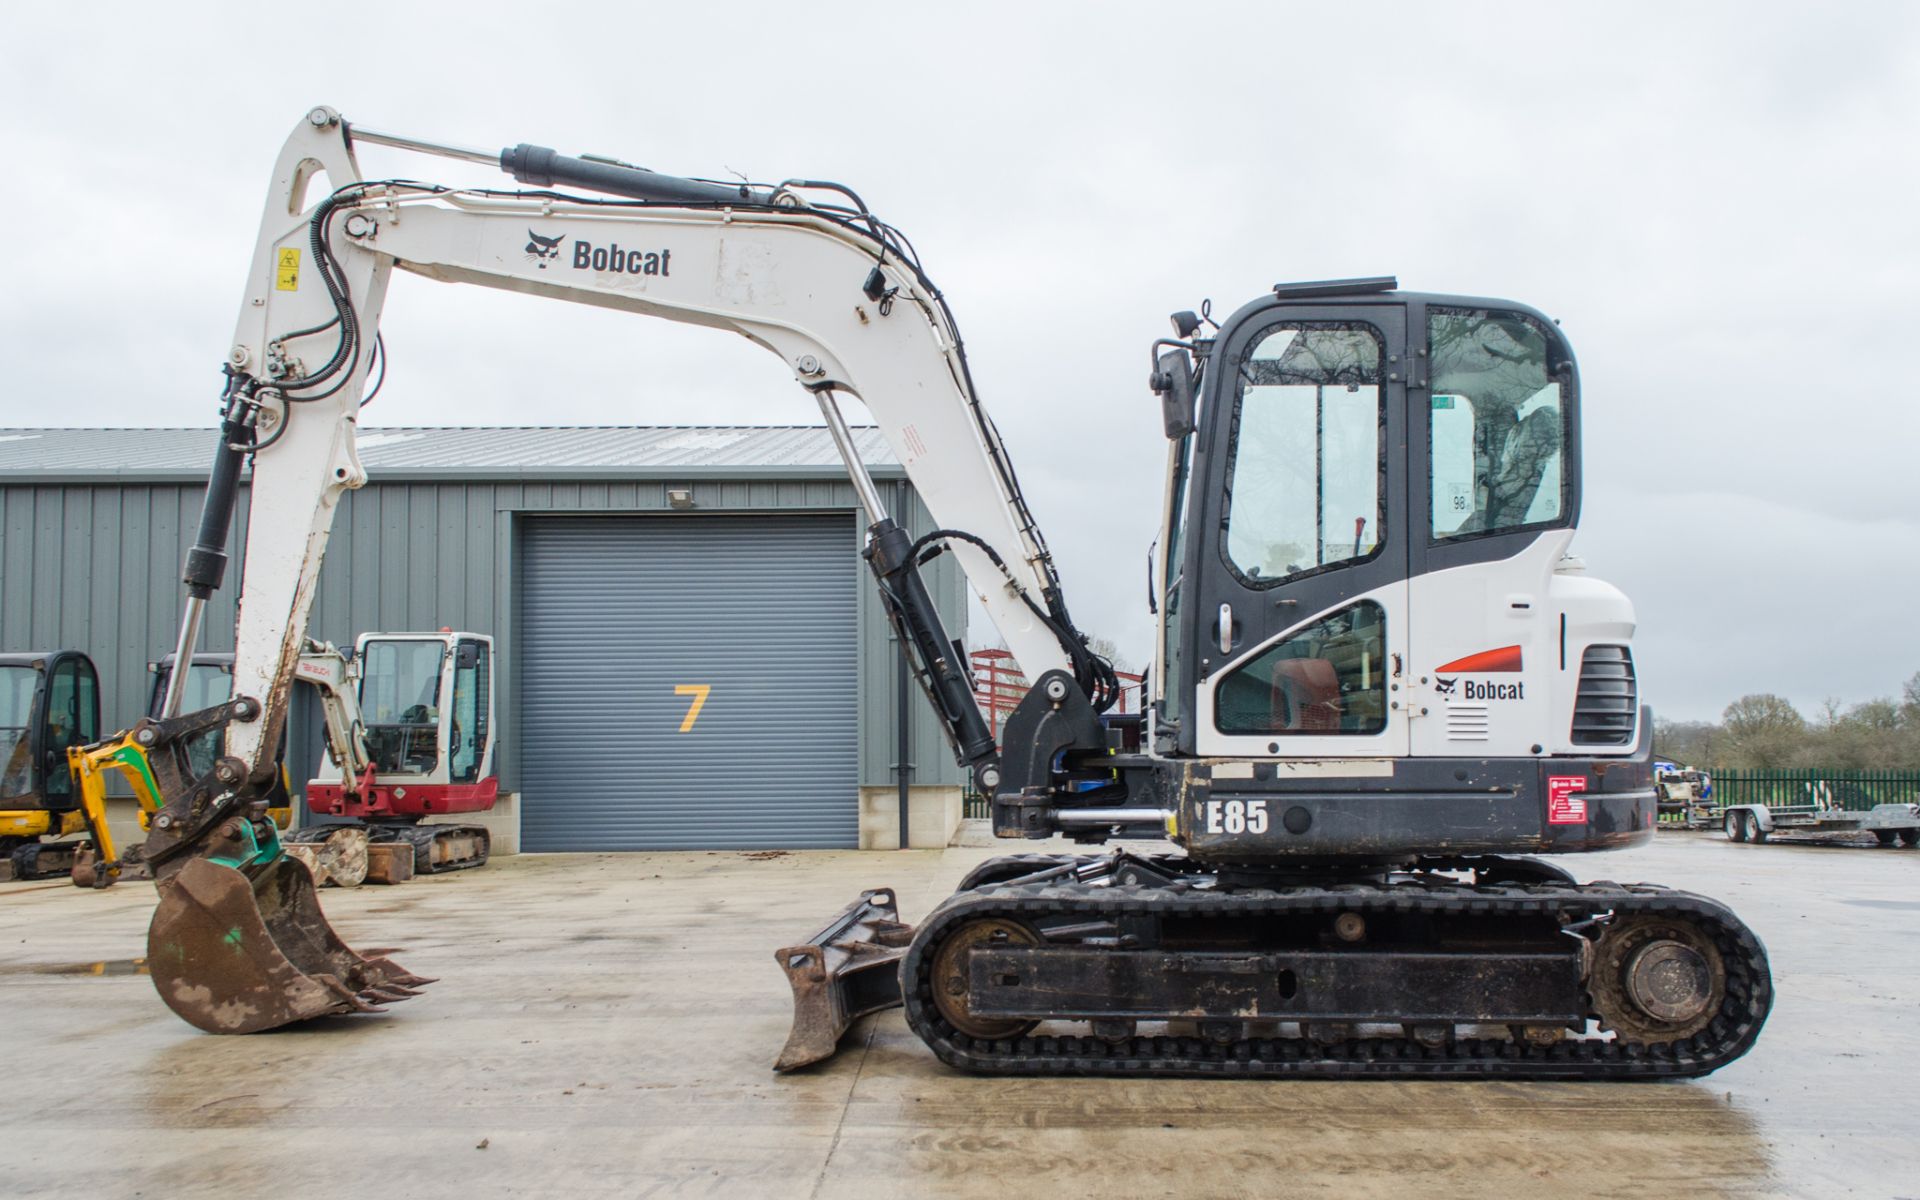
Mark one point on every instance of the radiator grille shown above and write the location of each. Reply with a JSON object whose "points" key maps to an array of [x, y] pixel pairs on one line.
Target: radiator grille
{"points": [[1608, 701]]}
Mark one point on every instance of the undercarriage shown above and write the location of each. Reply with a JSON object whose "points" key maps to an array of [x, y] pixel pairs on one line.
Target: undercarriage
{"points": [[436, 848], [1487, 968]]}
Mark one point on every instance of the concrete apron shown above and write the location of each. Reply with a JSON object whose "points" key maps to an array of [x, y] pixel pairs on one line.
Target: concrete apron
{"points": [[604, 1025]]}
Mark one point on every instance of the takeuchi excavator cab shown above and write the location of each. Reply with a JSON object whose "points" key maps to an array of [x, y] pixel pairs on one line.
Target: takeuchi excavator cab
{"points": [[49, 701], [425, 702]]}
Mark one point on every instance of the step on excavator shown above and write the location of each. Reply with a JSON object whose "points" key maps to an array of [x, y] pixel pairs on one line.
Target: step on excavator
{"points": [[1382, 687]]}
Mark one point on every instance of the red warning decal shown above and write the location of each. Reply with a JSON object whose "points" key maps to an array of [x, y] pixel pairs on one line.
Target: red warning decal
{"points": [[1565, 804], [1506, 658]]}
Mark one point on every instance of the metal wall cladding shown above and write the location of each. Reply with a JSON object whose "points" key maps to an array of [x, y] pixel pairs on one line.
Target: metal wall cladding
{"points": [[622, 619], [96, 567]]}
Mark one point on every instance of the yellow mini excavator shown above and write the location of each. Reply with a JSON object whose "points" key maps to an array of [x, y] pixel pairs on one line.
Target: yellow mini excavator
{"points": [[49, 706]]}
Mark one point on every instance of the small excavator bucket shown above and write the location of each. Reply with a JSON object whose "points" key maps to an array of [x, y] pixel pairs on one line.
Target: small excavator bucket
{"points": [[847, 970], [234, 955]]}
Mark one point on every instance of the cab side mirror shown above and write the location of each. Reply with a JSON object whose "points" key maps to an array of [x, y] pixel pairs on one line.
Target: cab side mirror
{"points": [[1172, 381]]}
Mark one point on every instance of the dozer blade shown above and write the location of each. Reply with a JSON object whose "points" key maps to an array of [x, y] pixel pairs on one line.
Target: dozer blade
{"points": [[847, 970], [233, 955]]}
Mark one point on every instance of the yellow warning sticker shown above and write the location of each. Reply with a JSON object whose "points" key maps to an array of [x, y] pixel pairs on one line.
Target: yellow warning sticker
{"points": [[287, 277]]}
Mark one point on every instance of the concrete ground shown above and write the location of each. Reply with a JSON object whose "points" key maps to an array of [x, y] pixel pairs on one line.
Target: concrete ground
{"points": [[604, 1026]]}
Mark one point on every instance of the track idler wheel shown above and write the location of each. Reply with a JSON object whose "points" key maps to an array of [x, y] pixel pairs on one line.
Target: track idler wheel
{"points": [[952, 984], [1656, 980], [231, 954]]}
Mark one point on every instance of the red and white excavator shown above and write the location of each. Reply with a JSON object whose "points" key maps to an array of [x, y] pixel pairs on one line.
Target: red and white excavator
{"points": [[410, 735], [1381, 684]]}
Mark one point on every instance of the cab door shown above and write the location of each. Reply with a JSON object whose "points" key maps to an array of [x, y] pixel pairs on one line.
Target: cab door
{"points": [[1300, 553], [71, 718], [1495, 489], [470, 740]]}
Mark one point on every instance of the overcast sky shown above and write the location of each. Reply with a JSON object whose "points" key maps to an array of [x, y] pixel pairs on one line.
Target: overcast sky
{"points": [[1718, 201]]}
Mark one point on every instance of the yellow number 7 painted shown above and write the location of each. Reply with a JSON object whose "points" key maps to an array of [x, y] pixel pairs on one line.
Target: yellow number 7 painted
{"points": [[699, 693]]}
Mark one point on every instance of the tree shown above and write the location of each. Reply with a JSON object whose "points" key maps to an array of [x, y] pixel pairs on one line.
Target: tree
{"points": [[1688, 743], [1763, 731]]}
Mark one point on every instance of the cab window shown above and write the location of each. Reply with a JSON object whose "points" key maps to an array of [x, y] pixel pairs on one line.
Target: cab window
{"points": [[1496, 430], [471, 679], [400, 702], [17, 687], [72, 710], [1304, 472], [1172, 679], [1326, 679]]}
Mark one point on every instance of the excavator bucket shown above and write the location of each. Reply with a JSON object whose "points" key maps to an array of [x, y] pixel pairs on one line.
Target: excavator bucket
{"points": [[234, 955], [847, 970]]}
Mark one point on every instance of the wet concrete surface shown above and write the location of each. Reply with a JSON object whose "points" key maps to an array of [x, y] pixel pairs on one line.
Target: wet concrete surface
{"points": [[604, 1025]]}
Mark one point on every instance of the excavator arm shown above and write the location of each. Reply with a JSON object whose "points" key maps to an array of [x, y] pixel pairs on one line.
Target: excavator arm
{"points": [[801, 269]]}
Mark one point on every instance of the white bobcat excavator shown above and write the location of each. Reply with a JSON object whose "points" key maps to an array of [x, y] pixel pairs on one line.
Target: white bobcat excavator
{"points": [[1380, 682]]}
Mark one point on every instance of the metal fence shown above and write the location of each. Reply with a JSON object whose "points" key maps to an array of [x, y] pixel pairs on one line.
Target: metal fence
{"points": [[1856, 791]]}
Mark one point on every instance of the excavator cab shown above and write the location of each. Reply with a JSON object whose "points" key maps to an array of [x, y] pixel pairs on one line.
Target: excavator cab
{"points": [[1354, 444], [425, 704], [1371, 494], [426, 701], [49, 702]]}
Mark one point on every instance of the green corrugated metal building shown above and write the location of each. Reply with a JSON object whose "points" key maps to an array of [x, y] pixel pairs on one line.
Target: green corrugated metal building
{"points": [[498, 531]]}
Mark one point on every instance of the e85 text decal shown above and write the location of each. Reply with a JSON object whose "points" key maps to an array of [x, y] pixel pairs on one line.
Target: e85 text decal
{"points": [[1236, 816]]}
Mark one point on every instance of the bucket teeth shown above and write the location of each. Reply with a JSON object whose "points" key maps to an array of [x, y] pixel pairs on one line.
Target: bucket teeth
{"points": [[362, 1001]]}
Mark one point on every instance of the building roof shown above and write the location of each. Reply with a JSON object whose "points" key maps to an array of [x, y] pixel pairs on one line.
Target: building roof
{"points": [[463, 452]]}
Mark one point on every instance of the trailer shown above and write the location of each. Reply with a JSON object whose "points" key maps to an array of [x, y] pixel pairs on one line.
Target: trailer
{"points": [[1821, 814]]}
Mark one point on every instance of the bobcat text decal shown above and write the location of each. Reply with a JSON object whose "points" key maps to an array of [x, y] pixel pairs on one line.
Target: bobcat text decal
{"points": [[589, 257], [1504, 661]]}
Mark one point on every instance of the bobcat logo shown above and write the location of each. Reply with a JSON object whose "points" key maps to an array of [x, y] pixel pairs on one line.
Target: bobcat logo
{"points": [[540, 249], [1444, 686]]}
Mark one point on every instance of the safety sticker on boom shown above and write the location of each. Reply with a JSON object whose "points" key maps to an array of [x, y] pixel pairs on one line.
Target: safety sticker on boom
{"points": [[286, 275]]}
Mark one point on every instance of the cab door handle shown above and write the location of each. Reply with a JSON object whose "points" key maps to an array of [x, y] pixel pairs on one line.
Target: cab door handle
{"points": [[1226, 629]]}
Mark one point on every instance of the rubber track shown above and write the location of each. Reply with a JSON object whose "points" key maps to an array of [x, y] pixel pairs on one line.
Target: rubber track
{"points": [[1749, 989]]}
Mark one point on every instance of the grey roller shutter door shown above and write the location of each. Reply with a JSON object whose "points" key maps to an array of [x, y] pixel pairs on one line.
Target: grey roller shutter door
{"points": [[618, 613]]}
